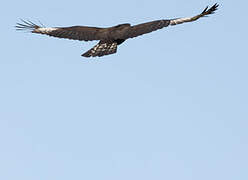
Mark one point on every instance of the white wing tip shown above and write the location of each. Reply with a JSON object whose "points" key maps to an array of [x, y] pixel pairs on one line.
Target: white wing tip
{"points": [[44, 30]]}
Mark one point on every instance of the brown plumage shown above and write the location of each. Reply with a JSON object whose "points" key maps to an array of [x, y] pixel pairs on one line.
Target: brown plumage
{"points": [[110, 37]]}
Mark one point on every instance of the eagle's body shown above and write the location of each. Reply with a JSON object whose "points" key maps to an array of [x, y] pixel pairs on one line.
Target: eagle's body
{"points": [[110, 37]]}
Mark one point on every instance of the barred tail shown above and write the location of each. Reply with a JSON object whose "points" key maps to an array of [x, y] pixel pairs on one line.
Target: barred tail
{"points": [[102, 49]]}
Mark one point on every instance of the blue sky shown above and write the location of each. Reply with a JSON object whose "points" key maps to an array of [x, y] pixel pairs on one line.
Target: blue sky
{"points": [[169, 105]]}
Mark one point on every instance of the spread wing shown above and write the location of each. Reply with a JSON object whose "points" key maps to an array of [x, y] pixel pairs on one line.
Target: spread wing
{"points": [[82, 33], [144, 28]]}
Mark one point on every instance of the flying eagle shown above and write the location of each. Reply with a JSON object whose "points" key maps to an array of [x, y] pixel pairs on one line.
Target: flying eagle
{"points": [[109, 38]]}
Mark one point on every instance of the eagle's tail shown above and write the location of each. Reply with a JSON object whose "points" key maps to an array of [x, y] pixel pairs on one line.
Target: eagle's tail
{"points": [[101, 49]]}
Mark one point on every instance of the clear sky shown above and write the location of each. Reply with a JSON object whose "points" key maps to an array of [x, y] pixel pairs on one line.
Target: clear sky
{"points": [[171, 105]]}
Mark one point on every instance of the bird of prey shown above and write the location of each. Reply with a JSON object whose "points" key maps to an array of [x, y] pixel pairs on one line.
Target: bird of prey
{"points": [[109, 38]]}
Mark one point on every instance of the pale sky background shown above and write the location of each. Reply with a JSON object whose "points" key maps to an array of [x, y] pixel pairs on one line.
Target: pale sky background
{"points": [[170, 105]]}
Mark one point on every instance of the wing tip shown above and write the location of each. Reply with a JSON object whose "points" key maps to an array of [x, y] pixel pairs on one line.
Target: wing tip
{"points": [[210, 10], [26, 25]]}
